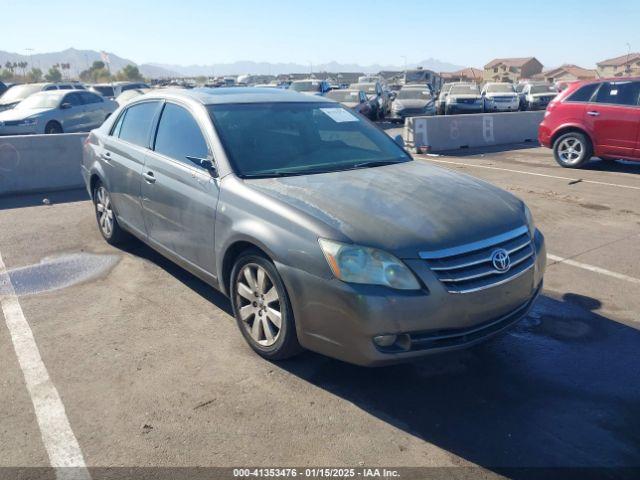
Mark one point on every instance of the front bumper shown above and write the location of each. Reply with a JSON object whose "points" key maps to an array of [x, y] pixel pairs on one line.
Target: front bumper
{"points": [[461, 108], [7, 130], [340, 320]]}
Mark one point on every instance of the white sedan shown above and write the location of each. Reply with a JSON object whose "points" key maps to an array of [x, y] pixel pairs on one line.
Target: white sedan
{"points": [[57, 111]]}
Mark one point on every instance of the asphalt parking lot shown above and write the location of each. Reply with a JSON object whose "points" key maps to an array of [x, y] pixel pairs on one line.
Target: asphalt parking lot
{"points": [[152, 371]]}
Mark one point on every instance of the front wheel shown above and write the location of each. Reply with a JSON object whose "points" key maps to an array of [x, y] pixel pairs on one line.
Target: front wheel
{"points": [[52, 128], [262, 308], [572, 150]]}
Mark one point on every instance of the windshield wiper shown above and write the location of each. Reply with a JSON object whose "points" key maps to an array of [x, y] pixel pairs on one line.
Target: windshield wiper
{"points": [[375, 163]]}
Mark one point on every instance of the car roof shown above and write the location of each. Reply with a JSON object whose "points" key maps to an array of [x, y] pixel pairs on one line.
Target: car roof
{"points": [[214, 96]]}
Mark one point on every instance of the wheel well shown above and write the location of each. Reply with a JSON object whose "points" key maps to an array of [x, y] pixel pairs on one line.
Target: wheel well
{"points": [[93, 182], [562, 131], [230, 257], [55, 122]]}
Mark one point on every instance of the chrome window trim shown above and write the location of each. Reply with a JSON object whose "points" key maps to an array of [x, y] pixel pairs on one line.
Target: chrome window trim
{"points": [[469, 247]]}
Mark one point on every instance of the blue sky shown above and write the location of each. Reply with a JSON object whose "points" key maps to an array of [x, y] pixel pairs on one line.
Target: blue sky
{"points": [[358, 31]]}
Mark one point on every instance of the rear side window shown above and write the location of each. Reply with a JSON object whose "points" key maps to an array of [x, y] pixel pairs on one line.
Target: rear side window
{"points": [[179, 135], [583, 94], [619, 93], [136, 124]]}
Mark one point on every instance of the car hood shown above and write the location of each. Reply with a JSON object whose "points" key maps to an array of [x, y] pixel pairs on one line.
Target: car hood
{"points": [[502, 94], [413, 103], [20, 113], [404, 209], [543, 95], [465, 96]]}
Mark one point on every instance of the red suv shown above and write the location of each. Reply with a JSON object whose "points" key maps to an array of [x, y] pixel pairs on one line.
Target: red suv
{"points": [[596, 118]]}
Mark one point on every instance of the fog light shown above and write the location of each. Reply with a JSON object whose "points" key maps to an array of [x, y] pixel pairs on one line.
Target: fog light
{"points": [[385, 340]]}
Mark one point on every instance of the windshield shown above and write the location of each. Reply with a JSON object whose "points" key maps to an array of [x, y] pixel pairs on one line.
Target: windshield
{"points": [[44, 100], [305, 86], [464, 90], [543, 89], [103, 90], [414, 94], [367, 87], [500, 88], [275, 139], [19, 92], [349, 96]]}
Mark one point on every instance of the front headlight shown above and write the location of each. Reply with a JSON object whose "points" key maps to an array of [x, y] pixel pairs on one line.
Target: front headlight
{"points": [[531, 225], [356, 264], [28, 122]]}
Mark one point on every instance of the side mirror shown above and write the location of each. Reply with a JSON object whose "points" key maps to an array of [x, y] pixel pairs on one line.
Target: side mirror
{"points": [[205, 163], [65, 106]]}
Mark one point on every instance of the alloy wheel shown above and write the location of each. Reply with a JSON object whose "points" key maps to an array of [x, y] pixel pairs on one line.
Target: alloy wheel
{"points": [[570, 150], [104, 211], [258, 304]]}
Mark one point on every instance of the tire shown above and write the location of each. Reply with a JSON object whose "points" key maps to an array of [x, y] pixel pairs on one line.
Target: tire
{"points": [[106, 218], [53, 128], [263, 298], [572, 150]]}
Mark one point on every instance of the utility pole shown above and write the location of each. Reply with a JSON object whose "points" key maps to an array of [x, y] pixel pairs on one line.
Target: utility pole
{"points": [[628, 68]]}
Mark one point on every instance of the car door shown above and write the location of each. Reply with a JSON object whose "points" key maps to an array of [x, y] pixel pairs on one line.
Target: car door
{"points": [[613, 116], [94, 110], [72, 113], [179, 196], [123, 157]]}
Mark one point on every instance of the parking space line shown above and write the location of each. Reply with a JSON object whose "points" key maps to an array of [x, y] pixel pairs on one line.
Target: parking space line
{"points": [[593, 268], [577, 180], [59, 440]]}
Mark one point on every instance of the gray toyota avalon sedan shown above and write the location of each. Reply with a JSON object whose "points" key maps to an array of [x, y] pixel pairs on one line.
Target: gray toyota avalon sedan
{"points": [[324, 233]]}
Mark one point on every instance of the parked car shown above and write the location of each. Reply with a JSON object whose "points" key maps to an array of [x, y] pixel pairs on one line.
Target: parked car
{"points": [[324, 233], [57, 111], [375, 92], [500, 97], [594, 118], [442, 98], [464, 98], [17, 93], [128, 95], [114, 89], [536, 96], [356, 100], [310, 87], [410, 102]]}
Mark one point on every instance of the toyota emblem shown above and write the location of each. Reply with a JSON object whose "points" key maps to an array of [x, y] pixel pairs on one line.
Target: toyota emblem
{"points": [[501, 261]]}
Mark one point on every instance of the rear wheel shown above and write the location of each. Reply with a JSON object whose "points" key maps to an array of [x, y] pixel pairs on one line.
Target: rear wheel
{"points": [[262, 308], [572, 150], [52, 128], [107, 222]]}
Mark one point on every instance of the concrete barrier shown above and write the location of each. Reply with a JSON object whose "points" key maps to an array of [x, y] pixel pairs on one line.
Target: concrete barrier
{"points": [[451, 132], [40, 163]]}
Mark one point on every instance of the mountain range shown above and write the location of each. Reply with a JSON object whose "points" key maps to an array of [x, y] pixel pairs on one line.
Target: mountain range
{"points": [[82, 59]]}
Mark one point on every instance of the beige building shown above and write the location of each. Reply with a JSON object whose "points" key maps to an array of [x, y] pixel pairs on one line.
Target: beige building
{"points": [[569, 73], [624, 65], [465, 75], [511, 69]]}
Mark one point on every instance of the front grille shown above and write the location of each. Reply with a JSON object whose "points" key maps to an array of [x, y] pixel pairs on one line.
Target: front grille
{"points": [[469, 268]]}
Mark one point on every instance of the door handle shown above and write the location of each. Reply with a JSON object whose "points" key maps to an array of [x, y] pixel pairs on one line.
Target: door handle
{"points": [[593, 113], [106, 156], [149, 177]]}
